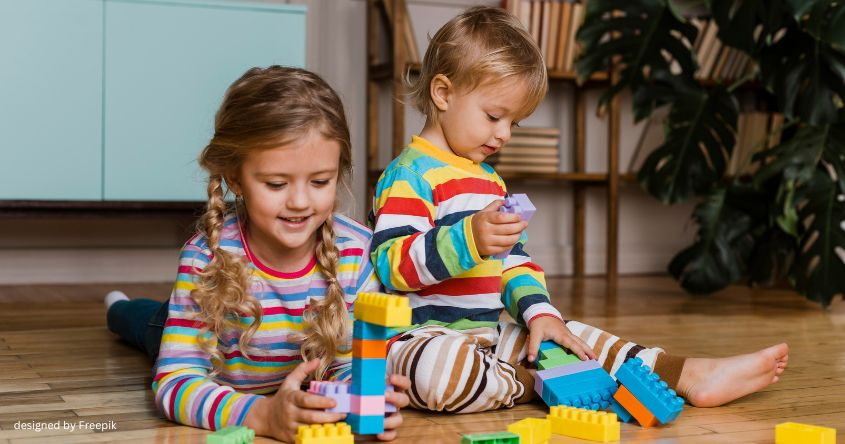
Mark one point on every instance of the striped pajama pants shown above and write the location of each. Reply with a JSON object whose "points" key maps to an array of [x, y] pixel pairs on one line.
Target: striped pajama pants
{"points": [[484, 369]]}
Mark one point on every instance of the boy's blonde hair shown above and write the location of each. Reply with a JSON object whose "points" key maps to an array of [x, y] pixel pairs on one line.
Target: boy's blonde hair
{"points": [[482, 45], [267, 108]]}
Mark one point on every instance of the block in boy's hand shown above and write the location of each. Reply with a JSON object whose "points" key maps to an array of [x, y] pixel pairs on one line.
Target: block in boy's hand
{"points": [[520, 205]]}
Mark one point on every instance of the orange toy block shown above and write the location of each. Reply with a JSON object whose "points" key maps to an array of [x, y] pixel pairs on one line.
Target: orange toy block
{"points": [[635, 407], [369, 348]]}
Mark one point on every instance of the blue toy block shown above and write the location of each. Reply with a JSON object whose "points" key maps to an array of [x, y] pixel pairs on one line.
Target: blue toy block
{"points": [[368, 376], [546, 345], [620, 411], [365, 425], [647, 387], [592, 389], [365, 330], [544, 375]]}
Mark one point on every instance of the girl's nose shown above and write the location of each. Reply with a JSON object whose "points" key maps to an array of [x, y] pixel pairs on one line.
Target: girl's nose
{"points": [[297, 199]]}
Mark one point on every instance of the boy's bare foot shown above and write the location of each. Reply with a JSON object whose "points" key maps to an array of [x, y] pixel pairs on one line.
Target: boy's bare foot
{"points": [[710, 382]]}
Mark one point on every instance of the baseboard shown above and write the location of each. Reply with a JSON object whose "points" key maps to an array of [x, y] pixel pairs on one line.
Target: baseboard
{"points": [[94, 265]]}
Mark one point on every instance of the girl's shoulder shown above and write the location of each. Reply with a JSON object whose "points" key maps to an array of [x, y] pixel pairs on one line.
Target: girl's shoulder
{"points": [[349, 233], [230, 238]]}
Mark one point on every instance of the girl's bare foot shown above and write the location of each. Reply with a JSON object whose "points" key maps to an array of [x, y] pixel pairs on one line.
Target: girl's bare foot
{"points": [[709, 382]]}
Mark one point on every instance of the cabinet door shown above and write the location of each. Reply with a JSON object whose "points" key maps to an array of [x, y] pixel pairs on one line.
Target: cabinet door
{"points": [[167, 66], [51, 99]]}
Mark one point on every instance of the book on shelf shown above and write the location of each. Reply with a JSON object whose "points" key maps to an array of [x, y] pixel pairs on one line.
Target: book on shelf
{"points": [[517, 158], [554, 24], [562, 34], [527, 168], [540, 151], [572, 47], [535, 131], [529, 140]]}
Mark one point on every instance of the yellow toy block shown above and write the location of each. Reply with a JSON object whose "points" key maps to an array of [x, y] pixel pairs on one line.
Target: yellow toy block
{"points": [[532, 430], [337, 433], [585, 424], [382, 309], [795, 433]]}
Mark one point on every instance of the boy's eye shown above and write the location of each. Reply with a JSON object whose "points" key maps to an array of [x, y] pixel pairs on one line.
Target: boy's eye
{"points": [[492, 118], [515, 124], [276, 185]]}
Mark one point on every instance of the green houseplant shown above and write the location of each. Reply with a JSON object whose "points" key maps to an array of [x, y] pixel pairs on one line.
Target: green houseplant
{"points": [[787, 220]]}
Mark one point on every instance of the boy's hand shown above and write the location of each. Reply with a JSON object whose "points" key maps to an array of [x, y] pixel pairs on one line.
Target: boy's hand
{"points": [[496, 232], [399, 398], [550, 327]]}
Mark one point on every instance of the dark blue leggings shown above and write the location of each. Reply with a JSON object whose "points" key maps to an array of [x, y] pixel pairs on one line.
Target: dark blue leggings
{"points": [[139, 322]]}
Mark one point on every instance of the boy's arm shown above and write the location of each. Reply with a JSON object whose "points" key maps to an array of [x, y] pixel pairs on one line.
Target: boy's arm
{"points": [[182, 388], [409, 252], [524, 291]]}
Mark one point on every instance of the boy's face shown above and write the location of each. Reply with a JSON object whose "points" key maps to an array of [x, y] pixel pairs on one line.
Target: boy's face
{"points": [[478, 123], [288, 191]]}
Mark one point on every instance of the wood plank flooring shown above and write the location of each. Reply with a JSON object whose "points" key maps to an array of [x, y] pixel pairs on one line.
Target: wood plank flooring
{"points": [[59, 365]]}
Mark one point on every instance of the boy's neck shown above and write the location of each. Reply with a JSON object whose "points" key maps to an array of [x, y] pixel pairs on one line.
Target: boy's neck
{"points": [[434, 133]]}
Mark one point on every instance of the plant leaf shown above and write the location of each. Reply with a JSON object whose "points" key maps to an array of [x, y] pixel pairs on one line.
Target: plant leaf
{"points": [[749, 24], [635, 36], [798, 158], [820, 263], [720, 253], [701, 128]]}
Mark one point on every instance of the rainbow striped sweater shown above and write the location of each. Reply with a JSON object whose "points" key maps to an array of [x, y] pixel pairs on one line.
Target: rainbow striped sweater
{"points": [[423, 245], [185, 393]]}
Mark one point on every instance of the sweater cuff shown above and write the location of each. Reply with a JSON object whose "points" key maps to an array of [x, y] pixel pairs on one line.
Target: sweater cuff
{"points": [[539, 310], [470, 240]]}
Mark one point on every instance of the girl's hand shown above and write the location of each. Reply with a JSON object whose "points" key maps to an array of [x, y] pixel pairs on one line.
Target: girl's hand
{"points": [[280, 416], [495, 232], [550, 327], [398, 398]]}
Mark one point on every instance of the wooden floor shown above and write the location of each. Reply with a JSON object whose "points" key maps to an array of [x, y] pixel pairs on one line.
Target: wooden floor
{"points": [[59, 365]]}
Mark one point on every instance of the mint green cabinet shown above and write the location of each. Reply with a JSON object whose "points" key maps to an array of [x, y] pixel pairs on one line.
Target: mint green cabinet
{"points": [[114, 99], [167, 66], [51, 99]]}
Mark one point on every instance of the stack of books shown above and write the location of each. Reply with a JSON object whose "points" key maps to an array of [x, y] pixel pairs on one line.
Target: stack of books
{"points": [[552, 24], [530, 150], [715, 60]]}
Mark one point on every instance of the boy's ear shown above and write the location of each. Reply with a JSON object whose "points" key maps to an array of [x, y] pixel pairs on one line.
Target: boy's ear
{"points": [[440, 89]]}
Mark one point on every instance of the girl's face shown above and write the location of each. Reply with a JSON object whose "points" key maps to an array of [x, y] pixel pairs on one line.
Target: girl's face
{"points": [[288, 192]]}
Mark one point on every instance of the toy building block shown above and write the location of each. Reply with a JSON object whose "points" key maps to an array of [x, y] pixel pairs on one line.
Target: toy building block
{"points": [[231, 435], [584, 424], [555, 357], [545, 345], [382, 309], [339, 391], [592, 390], [366, 425], [520, 205], [365, 330], [634, 407], [544, 375], [367, 405], [795, 433], [338, 433], [647, 387], [369, 376], [532, 430], [491, 438], [369, 348], [620, 411]]}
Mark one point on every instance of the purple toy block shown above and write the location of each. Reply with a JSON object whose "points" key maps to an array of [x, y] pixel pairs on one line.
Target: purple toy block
{"points": [[517, 204], [339, 391]]}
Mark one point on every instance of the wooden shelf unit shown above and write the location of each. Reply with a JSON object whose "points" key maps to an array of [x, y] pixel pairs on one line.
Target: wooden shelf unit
{"points": [[379, 72]]}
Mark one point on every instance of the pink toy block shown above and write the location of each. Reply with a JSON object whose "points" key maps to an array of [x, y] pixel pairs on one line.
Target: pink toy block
{"points": [[367, 405]]}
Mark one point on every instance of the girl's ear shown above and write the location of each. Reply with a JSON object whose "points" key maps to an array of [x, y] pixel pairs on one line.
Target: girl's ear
{"points": [[440, 89], [233, 184]]}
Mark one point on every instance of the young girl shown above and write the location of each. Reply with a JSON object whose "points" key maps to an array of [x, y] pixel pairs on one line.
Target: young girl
{"points": [[437, 226], [264, 288]]}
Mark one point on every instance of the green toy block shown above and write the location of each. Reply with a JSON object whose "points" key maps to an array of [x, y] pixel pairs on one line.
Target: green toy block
{"points": [[491, 438], [556, 357], [231, 435]]}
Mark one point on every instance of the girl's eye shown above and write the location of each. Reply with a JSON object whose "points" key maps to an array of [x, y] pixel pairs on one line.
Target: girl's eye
{"points": [[492, 118], [321, 182], [276, 185]]}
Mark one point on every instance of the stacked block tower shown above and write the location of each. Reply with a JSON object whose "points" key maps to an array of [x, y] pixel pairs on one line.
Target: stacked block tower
{"points": [[563, 379], [375, 314]]}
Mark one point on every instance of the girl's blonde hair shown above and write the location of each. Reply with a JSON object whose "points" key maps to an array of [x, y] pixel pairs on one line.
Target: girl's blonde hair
{"points": [[267, 108], [482, 45]]}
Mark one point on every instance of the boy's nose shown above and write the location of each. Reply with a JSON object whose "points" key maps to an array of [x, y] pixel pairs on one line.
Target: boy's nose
{"points": [[503, 134]]}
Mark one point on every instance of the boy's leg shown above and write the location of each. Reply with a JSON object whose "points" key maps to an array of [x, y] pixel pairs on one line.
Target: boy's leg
{"points": [[455, 371], [131, 320]]}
